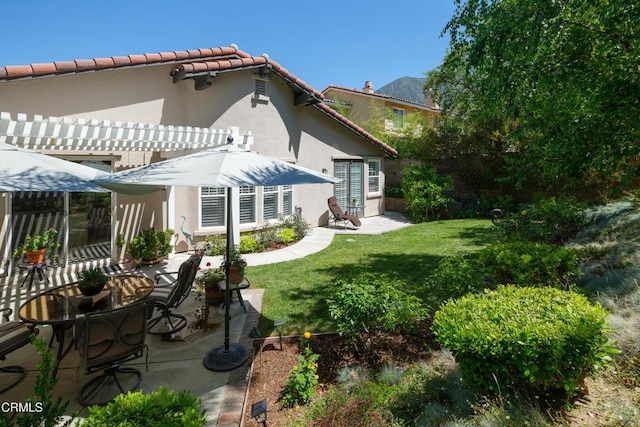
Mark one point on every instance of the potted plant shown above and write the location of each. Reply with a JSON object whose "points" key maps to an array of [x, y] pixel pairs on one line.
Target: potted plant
{"points": [[35, 248], [238, 263], [150, 245], [208, 281], [92, 281]]}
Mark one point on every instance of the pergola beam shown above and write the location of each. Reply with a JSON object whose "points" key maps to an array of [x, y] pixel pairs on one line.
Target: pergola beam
{"points": [[105, 135]]}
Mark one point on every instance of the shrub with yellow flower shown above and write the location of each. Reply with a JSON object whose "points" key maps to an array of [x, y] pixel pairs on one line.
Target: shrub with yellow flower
{"points": [[299, 388]]}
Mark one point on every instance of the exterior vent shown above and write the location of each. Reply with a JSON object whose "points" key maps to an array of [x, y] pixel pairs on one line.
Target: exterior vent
{"points": [[260, 91], [261, 88]]}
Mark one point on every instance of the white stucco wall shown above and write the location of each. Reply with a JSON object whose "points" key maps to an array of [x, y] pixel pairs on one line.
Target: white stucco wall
{"points": [[147, 94]]}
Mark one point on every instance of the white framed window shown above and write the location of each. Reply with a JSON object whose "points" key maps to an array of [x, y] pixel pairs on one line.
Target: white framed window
{"points": [[287, 200], [374, 175], [270, 196], [398, 118], [248, 197], [276, 200], [212, 207]]}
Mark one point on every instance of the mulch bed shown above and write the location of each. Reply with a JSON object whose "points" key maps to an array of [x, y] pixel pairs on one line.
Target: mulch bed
{"points": [[272, 366]]}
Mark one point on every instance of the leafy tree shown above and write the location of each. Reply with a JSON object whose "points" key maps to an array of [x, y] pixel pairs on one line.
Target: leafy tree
{"points": [[425, 192], [557, 80]]}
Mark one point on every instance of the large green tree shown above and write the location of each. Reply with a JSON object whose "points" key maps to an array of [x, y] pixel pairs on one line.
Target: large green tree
{"points": [[557, 80]]}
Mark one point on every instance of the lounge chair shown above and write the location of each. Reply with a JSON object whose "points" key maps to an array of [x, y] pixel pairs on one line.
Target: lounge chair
{"points": [[337, 215]]}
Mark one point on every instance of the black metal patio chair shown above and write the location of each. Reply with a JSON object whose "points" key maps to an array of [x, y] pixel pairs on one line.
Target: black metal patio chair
{"points": [[165, 320]]}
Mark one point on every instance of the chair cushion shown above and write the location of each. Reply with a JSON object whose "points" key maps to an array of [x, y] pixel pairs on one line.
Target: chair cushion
{"points": [[14, 335]]}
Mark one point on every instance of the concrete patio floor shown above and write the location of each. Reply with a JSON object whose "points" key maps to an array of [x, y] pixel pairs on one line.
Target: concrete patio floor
{"points": [[178, 365]]}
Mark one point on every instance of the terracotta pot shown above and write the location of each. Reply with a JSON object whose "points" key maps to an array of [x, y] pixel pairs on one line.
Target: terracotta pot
{"points": [[36, 257], [235, 275], [213, 294]]}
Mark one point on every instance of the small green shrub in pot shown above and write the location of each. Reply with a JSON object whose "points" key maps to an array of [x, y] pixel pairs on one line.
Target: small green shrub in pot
{"points": [[238, 264], [163, 407], [540, 340], [46, 241], [92, 281], [150, 244]]}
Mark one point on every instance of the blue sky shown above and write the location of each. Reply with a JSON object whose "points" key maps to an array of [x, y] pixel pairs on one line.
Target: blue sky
{"points": [[322, 42]]}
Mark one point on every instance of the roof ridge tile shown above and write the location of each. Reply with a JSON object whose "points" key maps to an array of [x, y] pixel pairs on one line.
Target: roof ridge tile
{"points": [[56, 67]]}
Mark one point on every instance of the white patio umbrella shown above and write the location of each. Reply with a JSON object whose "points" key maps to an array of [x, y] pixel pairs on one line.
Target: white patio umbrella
{"points": [[26, 170], [226, 167]]}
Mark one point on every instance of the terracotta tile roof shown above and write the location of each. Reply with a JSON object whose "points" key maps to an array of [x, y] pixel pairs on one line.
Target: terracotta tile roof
{"points": [[191, 62], [245, 62], [62, 67], [379, 95]]}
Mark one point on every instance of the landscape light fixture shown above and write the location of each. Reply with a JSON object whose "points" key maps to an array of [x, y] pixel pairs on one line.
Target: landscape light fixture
{"points": [[255, 334], [259, 412], [279, 325]]}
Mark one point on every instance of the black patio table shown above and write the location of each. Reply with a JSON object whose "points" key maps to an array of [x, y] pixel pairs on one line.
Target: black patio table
{"points": [[61, 306]]}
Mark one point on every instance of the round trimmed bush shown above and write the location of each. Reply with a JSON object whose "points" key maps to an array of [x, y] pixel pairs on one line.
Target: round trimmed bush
{"points": [[543, 340]]}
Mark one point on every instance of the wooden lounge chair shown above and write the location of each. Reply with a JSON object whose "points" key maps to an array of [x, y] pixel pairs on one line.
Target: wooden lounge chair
{"points": [[337, 215]]}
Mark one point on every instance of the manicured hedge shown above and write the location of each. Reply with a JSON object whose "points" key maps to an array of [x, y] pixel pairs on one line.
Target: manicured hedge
{"points": [[524, 338], [517, 263], [534, 264]]}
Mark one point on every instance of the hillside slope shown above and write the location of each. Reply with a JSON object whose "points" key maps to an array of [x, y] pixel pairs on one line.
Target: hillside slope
{"points": [[407, 88]]}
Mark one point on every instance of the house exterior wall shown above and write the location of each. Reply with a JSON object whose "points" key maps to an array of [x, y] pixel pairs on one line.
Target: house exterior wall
{"points": [[363, 105], [147, 94]]}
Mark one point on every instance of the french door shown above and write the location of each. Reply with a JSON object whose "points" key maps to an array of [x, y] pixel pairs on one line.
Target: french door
{"points": [[350, 190]]}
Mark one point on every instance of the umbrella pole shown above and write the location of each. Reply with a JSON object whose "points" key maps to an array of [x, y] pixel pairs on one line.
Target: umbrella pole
{"points": [[227, 356]]}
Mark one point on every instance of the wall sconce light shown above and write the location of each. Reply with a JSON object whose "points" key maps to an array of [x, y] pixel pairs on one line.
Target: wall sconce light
{"points": [[259, 412], [325, 171], [279, 325]]}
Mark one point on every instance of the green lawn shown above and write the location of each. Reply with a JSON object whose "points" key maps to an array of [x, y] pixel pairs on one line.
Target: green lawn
{"points": [[296, 290]]}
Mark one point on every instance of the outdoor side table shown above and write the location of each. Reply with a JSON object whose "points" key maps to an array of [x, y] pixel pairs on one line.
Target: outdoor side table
{"points": [[236, 288], [356, 210], [32, 270]]}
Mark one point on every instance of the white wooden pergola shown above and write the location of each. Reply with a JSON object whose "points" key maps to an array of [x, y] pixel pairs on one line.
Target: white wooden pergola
{"points": [[79, 134], [83, 136]]}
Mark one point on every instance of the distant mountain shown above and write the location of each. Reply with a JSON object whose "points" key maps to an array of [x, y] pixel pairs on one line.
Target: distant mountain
{"points": [[407, 88]]}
